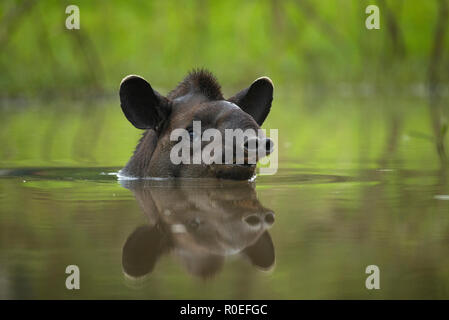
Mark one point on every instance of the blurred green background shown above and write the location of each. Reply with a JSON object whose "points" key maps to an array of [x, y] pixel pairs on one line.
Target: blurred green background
{"points": [[362, 118], [322, 59]]}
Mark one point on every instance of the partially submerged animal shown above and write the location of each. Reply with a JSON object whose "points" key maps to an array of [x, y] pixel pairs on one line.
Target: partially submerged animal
{"points": [[197, 98]]}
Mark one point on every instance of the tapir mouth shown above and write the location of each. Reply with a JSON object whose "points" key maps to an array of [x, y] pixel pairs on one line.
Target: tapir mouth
{"points": [[245, 161], [235, 171], [237, 165]]}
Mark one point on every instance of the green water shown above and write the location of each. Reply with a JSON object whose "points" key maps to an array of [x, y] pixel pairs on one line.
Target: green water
{"points": [[359, 183]]}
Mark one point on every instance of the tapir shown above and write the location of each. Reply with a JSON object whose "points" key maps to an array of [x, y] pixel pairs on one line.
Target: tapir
{"points": [[196, 98]]}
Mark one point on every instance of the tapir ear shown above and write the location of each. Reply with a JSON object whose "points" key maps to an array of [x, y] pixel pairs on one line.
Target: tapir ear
{"points": [[143, 106], [256, 99], [261, 253], [142, 250]]}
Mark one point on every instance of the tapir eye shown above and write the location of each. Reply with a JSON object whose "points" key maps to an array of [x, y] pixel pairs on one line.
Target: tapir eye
{"points": [[194, 136], [194, 223]]}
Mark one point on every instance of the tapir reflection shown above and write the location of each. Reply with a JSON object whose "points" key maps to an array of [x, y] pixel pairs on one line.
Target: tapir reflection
{"points": [[200, 226]]}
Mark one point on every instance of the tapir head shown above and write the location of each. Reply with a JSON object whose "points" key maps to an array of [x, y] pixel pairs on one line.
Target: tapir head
{"points": [[195, 106]]}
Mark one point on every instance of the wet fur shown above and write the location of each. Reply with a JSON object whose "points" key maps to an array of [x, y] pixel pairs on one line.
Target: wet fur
{"points": [[198, 94]]}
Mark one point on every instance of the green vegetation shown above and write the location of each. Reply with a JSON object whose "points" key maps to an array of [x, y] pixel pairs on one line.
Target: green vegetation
{"points": [[362, 118]]}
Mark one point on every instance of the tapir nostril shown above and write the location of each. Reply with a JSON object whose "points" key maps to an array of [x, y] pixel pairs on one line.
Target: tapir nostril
{"points": [[252, 220], [251, 144], [269, 218]]}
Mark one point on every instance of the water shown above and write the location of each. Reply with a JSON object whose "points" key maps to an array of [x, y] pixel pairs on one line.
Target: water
{"points": [[356, 186]]}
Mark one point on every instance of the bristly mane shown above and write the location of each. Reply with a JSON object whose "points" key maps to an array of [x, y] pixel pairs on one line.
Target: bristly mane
{"points": [[198, 81]]}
